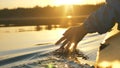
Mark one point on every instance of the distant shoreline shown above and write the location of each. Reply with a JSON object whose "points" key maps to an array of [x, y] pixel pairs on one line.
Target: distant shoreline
{"points": [[30, 18], [28, 21]]}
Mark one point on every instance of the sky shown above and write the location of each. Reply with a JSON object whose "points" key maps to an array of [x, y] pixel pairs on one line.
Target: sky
{"points": [[31, 3]]}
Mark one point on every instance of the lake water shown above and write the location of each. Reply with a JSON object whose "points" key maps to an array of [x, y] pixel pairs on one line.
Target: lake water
{"points": [[27, 36], [12, 38], [15, 41]]}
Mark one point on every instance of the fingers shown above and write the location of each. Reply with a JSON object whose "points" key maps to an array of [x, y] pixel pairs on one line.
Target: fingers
{"points": [[64, 39], [60, 40], [68, 45], [64, 43], [74, 47]]}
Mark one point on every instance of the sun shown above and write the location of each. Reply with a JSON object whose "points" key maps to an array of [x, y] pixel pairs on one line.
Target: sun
{"points": [[68, 5], [68, 2]]}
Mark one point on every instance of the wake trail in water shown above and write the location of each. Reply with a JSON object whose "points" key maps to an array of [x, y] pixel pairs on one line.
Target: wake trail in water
{"points": [[40, 56]]}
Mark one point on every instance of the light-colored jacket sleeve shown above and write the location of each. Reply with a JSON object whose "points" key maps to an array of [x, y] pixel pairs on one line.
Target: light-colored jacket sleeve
{"points": [[104, 18]]}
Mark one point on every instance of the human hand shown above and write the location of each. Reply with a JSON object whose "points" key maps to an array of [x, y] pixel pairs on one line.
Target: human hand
{"points": [[72, 35]]}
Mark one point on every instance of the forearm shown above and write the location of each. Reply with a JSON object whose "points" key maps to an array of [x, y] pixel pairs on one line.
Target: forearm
{"points": [[101, 21]]}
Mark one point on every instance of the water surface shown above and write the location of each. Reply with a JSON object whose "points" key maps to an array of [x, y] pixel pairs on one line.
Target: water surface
{"points": [[27, 36]]}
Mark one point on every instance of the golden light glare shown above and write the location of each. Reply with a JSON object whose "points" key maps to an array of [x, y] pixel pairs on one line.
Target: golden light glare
{"points": [[116, 64], [68, 2], [105, 64], [69, 9], [72, 45]]}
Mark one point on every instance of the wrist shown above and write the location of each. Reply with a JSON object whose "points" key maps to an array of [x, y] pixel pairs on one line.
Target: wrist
{"points": [[84, 30]]}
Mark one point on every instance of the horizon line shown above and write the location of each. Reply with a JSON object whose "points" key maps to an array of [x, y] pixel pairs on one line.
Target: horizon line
{"points": [[47, 6]]}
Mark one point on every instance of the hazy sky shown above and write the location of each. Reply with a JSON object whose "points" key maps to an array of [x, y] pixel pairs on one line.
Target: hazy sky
{"points": [[32, 3]]}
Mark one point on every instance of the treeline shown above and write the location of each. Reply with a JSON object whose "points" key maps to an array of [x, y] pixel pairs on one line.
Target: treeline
{"points": [[47, 11]]}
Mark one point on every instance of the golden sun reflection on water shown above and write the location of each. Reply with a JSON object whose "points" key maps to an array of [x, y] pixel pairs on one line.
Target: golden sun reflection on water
{"points": [[69, 16]]}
